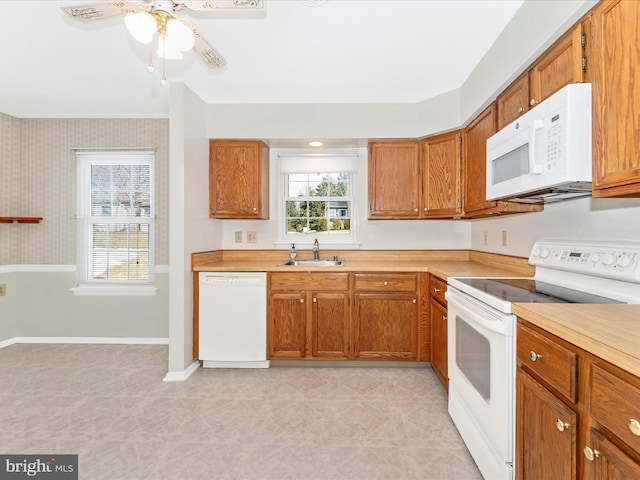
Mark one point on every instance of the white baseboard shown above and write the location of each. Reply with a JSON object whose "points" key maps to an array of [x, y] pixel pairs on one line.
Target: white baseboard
{"points": [[91, 340], [183, 375], [219, 364]]}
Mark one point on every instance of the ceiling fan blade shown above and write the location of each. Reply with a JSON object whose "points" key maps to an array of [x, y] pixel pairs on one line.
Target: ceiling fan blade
{"points": [[101, 11], [202, 47], [223, 5]]}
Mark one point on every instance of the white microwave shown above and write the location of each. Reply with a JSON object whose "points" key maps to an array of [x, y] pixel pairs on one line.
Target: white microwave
{"points": [[545, 155]]}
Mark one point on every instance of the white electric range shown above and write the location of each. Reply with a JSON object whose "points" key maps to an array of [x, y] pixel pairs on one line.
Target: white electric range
{"points": [[481, 330]]}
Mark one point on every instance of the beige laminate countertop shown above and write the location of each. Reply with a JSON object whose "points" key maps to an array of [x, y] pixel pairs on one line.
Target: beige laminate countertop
{"points": [[611, 332], [441, 269]]}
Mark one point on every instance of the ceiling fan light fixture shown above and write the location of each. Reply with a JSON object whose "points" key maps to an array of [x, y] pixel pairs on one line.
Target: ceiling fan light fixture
{"points": [[179, 35], [141, 25]]}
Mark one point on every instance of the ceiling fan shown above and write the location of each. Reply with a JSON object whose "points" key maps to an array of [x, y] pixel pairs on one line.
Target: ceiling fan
{"points": [[145, 18]]}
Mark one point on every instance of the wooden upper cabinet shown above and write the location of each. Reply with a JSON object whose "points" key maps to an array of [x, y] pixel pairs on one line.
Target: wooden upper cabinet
{"points": [[475, 159], [442, 177], [615, 76], [394, 179], [562, 64], [513, 101], [238, 179]]}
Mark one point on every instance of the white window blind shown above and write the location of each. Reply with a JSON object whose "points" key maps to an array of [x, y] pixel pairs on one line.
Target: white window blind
{"points": [[115, 218]]}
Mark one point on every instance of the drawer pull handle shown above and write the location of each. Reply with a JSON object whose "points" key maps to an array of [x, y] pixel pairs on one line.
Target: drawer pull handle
{"points": [[415, 300], [562, 426], [437, 290], [590, 453], [302, 300], [385, 283], [634, 426], [534, 356], [315, 300]]}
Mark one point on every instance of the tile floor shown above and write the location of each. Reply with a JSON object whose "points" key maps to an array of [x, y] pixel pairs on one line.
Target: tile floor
{"points": [[109, 405]]}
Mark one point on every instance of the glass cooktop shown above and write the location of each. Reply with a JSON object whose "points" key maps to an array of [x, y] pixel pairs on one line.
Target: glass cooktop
{"points": [[527, 290]]}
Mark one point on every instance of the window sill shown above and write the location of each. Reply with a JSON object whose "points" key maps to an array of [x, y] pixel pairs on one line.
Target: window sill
{"points": [[114, 290]]}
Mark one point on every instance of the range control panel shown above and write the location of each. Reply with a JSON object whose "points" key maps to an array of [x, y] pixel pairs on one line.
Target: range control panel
{"points": [[617, 260]]}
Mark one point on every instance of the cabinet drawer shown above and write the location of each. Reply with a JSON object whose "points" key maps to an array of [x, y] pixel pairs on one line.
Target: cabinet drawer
{"points": [[309, 281], [437, 289], [553, 363], [615, 404], [383, 282]]}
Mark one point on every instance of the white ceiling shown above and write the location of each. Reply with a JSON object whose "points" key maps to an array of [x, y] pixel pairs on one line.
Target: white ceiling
{"points": [[340, 51]]}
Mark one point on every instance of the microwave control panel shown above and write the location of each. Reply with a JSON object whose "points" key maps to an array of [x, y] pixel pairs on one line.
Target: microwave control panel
{"points": [[617, 260]]}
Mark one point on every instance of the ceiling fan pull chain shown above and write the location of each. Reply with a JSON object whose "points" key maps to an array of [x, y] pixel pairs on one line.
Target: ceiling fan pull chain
{"points": [[150, 67], [163, 80]]}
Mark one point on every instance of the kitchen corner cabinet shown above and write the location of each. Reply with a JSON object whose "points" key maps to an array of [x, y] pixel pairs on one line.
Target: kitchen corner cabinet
{"points": [[308, 316], [386, 316], [614, 74], [238, 179], [566, 432], [439, 327], [441, 176], [475, 167], [394, 179]]}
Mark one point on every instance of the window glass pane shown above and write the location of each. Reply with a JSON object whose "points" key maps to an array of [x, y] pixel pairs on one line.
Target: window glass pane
{"points": [[120, 251], [120, 190]]}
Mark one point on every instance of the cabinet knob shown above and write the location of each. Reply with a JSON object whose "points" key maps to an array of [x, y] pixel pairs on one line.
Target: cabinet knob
{"points": [[590, 453], [444, 318], [634, 426], [562, 426], [416, 210], [315, 300], [255, 209], [520, 109], [534, 356], [415, 300], [437, 290], [533, 102], [385, 283], [302, 300]]}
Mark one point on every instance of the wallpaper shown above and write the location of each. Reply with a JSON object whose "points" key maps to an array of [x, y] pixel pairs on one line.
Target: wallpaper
{"points": [[38, 166]]}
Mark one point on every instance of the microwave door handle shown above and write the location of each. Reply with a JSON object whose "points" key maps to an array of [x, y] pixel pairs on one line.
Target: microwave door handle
{"points": [[538, 124]]}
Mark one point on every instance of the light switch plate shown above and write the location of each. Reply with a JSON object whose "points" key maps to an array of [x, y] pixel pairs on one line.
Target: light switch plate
{"points": [[238, 237], [504, 238], [252, 237]]}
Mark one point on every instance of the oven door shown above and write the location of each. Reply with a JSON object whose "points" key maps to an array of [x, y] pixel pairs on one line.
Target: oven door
{"points": [[481, 381]]}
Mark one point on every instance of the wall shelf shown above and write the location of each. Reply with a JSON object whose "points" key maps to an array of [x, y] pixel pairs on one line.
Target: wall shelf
{"points": [[20, 219]]}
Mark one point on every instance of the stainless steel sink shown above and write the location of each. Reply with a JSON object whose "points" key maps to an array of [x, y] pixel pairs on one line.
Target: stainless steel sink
{"points": [[313, 263]]}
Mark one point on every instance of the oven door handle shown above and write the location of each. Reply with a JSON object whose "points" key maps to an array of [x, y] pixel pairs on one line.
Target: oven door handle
{"points": [[477, 316]]}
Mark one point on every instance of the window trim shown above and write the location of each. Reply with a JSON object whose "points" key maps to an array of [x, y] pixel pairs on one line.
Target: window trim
{"points": [[326, 161], [89, 286]]}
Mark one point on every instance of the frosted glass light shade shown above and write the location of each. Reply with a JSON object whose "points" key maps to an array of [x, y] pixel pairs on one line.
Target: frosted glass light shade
{"points": [[141, 25], [179, 36]]}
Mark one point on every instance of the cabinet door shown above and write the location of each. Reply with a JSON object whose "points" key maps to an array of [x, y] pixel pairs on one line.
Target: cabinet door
{"points": [[238, 179], [560, 65], [287, 325], [475, 159], [514, 101], [546, 432], [386, 326], [608, 462], [439, 342], [441, 190], [615, 76], [330, 325], [394, 179]]}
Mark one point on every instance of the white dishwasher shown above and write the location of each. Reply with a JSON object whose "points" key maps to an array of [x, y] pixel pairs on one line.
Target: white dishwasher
{"points": [[233, 319]]}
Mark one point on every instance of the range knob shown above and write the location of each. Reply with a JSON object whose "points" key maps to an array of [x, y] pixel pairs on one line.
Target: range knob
{"points": [[624, 260], [609, 259], [545, 253], [595, 258], [536, 252]]}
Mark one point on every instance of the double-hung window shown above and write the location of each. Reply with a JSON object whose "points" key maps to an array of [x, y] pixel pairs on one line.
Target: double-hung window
{"points": [[317, 197], [115, 222]]}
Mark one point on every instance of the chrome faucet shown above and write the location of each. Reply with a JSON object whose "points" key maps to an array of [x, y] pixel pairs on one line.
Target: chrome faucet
{"points": [[316, 250]]}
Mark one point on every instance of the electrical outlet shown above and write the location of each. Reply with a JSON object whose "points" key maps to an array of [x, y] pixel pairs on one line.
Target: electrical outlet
{"points": [[504, 238], [486, 238], [3, 289], [238, 237], [252, 237]]}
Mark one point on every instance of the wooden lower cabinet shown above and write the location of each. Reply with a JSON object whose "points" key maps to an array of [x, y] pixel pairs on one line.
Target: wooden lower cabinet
{"points": [[546, 433], [591, 432], [308, 316], [439, 326], [386, 316]]}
